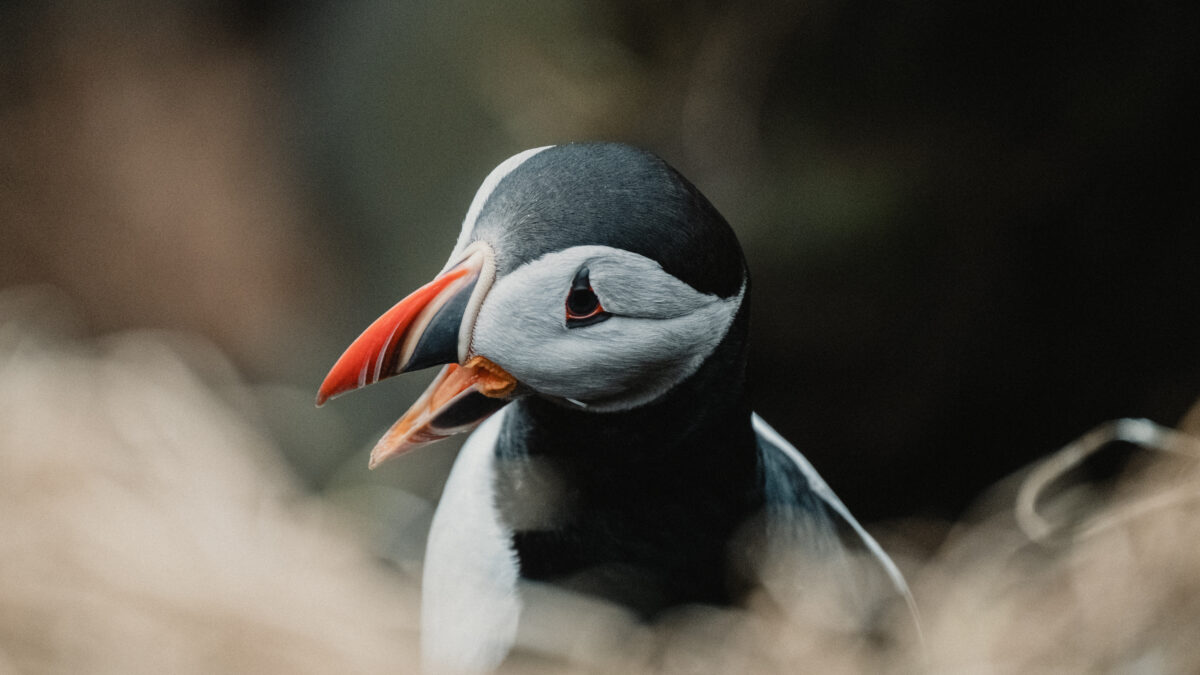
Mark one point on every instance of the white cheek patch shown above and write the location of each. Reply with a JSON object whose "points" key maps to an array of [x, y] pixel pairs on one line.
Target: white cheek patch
{"points": [[481, 196], [661, 330]]}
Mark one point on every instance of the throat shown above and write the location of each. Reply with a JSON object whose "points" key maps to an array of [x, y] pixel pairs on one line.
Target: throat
{"points": [[641, 507]]}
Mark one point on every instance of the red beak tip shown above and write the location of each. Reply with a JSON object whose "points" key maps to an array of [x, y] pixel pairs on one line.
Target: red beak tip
{"points": [[323, 396]]}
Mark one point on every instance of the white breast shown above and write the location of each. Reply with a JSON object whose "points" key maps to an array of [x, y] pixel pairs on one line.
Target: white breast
{"points": [[469, 603]]}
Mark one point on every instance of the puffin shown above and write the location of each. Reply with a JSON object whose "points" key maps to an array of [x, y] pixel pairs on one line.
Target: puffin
{"points": [[592, 327]]}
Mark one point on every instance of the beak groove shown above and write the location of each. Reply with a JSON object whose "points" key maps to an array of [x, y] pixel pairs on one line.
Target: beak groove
{"points": [[401, 340]]}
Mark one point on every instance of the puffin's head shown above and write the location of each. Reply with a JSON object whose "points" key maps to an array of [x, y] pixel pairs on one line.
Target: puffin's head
{"points": [[593, 275]]}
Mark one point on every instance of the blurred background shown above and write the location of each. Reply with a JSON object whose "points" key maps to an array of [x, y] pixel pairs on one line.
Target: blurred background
{"points": [[973, 230]]}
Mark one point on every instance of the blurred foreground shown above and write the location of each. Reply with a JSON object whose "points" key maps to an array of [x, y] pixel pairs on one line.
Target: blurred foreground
{"points": [[150, 526]]}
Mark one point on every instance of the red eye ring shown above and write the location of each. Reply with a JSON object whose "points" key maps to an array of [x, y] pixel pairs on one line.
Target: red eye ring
{"points": [[583, 304], [583, 307]]}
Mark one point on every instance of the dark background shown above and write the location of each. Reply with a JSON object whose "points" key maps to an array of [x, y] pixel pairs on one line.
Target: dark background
{"points": [[972, 229]]}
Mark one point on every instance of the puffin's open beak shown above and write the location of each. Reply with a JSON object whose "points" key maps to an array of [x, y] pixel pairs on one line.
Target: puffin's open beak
{"points": [[424, 330]]}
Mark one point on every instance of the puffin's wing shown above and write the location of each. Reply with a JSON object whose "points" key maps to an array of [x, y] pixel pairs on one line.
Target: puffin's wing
{"points": [[804, 516]]}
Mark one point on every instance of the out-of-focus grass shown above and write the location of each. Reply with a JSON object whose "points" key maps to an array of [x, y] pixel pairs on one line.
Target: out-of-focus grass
{"points": [[148, 526]]}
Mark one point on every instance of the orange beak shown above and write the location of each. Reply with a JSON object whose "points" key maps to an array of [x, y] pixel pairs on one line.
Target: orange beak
{"points": [[429, 327], [457, 400]]}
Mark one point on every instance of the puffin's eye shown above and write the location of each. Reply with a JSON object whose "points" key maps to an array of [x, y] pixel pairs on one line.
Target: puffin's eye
{"points": [[582, 303], [583, 307]]}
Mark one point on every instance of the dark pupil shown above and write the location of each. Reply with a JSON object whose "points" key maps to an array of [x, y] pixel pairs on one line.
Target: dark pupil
{"points": [[582, 301]]}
